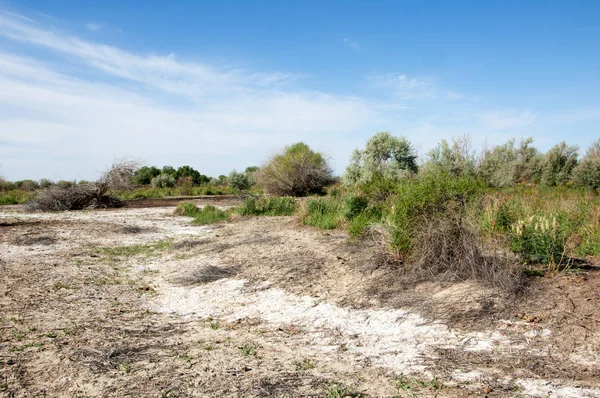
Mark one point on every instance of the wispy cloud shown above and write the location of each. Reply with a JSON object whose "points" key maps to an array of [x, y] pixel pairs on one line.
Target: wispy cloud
{"points": [[94, 26], [351, 43], [163, 108]]}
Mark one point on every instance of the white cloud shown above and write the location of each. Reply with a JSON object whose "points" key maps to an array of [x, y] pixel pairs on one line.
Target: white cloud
{"points": [[60, 124], [229, 118]]}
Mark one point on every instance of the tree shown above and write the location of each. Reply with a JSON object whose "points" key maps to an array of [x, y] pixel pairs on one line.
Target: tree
{"points": [[457, 160], [144, 175], [558, 164], [197, 178], [169, 170], [385, 157], [587, 173], [297, 170], [506, 165], [239, 181]]}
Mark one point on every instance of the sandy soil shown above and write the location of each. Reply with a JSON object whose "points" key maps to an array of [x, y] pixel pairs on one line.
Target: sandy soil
{"points": [[137, 302]]}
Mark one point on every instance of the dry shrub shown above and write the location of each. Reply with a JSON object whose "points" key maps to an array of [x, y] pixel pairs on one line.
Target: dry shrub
{"points": [[448, 249], [87, 195]]}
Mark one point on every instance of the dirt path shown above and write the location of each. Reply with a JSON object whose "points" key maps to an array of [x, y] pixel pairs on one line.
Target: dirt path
{"points": [[137, 302]]}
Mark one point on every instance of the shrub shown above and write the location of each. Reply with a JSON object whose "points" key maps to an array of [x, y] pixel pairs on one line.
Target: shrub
{"points": [[27, 185], [558, 164], [385, 158], [295, 171], [427, 198], [587, 173], [163, 181], [45, 183], [265, 206], [239, 181]]}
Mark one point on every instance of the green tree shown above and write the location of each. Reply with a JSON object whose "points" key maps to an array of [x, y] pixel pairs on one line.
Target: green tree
{"points": [[385, 157], [558, 164], [507, 165], [587, 173], [197, 178], [239, 181], [456, 159], [144, 175]]}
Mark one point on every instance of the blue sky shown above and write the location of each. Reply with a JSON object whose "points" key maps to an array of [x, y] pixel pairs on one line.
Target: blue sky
{"points": [[221, 85]]}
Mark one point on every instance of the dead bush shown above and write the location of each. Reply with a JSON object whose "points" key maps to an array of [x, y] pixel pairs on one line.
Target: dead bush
{"points": [[87, 195], [448, 249]]}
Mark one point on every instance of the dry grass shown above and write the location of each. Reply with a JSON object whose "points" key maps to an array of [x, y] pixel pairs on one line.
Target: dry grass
{"points": [[205, 274]]}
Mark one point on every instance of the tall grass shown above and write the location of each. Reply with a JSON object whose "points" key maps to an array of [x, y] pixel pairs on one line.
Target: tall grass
{"points": [[156, 193], [268, 206]]}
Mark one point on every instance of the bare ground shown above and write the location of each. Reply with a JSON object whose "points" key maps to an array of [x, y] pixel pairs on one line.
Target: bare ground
{"points": [[136, 302]]}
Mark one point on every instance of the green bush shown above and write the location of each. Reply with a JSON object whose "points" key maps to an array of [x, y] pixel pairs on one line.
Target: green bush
{"points": [[188, 209], [268, 206], [426, 198], [144, 175], [355, 205], [295, 171], [239, 181], [163, 181], [539, 240]]}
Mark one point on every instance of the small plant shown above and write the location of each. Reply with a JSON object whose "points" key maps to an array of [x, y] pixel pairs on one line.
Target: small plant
{"points": [[185, 357], [125, 366], [539, 239], [338, 390], [249, 350], [305, 364]]}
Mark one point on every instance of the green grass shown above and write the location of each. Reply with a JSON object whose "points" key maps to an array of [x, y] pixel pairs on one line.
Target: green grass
{"points": [[268, 206], [204, 216], [156, 193], [305, 364], [249, 350], [339, 390], [15, 197], [325, 213]]}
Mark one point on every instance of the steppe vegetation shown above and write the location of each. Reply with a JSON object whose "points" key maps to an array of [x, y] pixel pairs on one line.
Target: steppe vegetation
{"points": [[456, 214], [402, 277]]}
